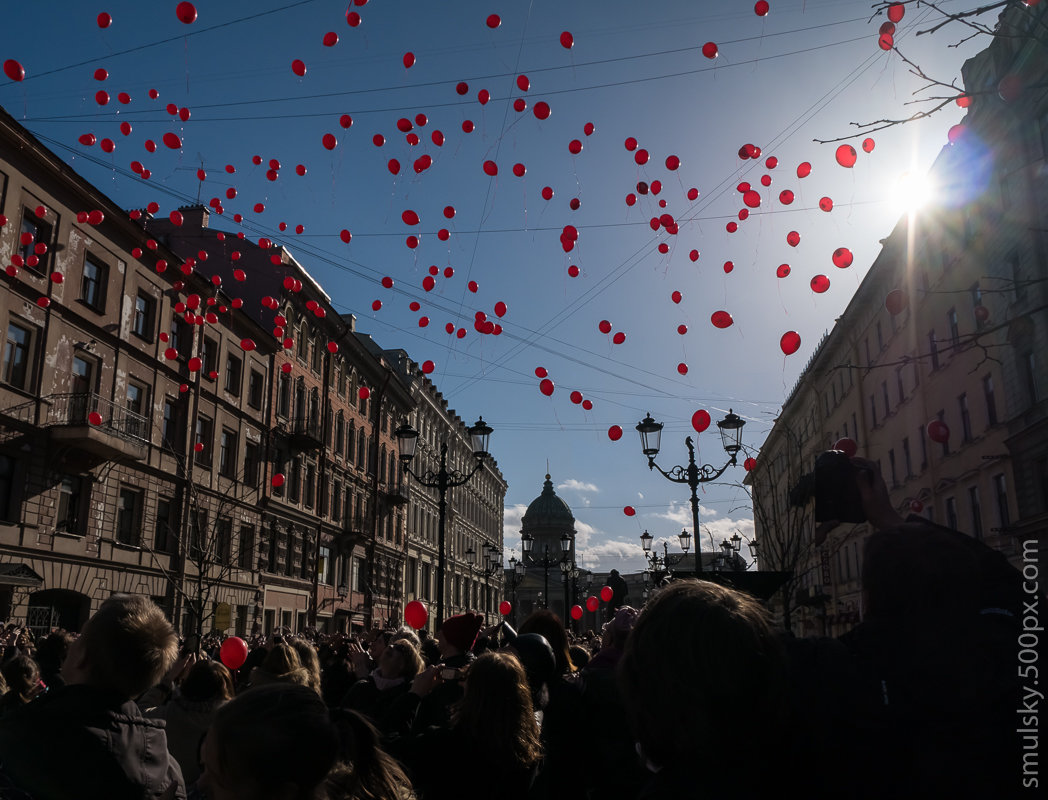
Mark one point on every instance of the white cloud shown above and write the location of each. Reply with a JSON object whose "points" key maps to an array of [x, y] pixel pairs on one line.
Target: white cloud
{"points": [[677, 513], [578, 486], [511, 530], [610, 553]]}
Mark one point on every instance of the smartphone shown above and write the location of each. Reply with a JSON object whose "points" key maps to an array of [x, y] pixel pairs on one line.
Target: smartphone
{"points": [[191, 645], [450, 674]]}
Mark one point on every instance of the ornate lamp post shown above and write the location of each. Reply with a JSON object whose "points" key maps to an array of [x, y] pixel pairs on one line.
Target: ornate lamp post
{"points": [[693, 475], [547, 561], [442, 480], [656, 565], [516, 575]]}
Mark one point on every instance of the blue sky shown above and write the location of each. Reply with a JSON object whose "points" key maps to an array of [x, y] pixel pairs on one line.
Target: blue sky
{"points": [[805, 71]]}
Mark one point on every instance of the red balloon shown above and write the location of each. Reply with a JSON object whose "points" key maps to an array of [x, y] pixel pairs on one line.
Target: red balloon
{"points": [[693, 193], [567, 41], [233, 652], [749, 464], [641, 156], [803, 169], [352, 19], [576, 397], [87, 139], [483, 96], [94, 418], [618, 338], [790, 342], [541, 110], [629, 511], [576, 612], [868, 145], [428, 367], [700, 420], [896, 302], [846, 155], [592, 603], [519, 170], [896, 11], [416, 614], [786, 197], [494, 20], [364, 393], [916, 506], [846, 446], [676, 297], [761, 8], [546, 387], [631, 144], [842, 258], [393, 166], [722, 319], [186, 13], [330, 39], [298, 66], [505, 607], [410, 217], [540, 372], [710, 50], [329, 141], [615, 433], [473, 286], [682, 368], [104, 20], [588, 128], [826, 204], [938, 431], [672, 163], [606, 594], [491, 168], [820, 283], [500, 309], [782, 271], [752, 199], [587, 404], [345, 121], [409, 60], [574, 147]]}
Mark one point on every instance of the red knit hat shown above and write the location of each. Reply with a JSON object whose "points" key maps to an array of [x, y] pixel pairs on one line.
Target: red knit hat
{"points": [[461, 630]]}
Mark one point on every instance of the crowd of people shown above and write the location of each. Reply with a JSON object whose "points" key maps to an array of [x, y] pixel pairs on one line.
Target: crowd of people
{"points": [[695, 695]]}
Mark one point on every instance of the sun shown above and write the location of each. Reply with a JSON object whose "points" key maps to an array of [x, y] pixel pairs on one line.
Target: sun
{"points": [[912, 192]]}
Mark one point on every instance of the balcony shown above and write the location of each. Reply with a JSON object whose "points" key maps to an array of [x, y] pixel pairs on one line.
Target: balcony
{"points": [[97, 425], [305, 434], [395, 494]]}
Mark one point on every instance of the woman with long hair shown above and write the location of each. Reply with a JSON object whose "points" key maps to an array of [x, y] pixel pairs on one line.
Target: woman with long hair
{"points": [[494, 726]]}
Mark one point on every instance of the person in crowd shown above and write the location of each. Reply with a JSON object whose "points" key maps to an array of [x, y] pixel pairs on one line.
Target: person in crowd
{"points": [[560, 712], [374, 774], [337, 674], [374, 695], [281, 665], [88, 738], [540, 667], [619, 590], [493, 727], [455, 640], [405, 632], [207, 686], [307, 654], [22, 677], [703, 671], [580, 656], [50, 654], [274, 742]]}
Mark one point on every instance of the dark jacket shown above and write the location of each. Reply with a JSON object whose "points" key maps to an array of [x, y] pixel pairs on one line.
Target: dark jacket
{"points": [[376, 704], [82, 742]]}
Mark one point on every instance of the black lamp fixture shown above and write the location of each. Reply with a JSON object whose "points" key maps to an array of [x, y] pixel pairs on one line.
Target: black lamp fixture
{"points": [[693, 475], [443, 479]]}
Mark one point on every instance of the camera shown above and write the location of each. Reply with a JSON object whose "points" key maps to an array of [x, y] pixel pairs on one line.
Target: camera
{"points": [[835, 487], [451, 674]]}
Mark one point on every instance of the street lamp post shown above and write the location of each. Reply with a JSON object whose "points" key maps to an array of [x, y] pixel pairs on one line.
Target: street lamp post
{"points": [[442, 480], [693, 475], [492, 563], [516, 575], [657, 566], [527, 540]]}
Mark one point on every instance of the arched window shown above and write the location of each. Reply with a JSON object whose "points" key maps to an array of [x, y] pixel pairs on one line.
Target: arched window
{"points": [[314, 407], [351, 436], [340, 432], [300, 399]]}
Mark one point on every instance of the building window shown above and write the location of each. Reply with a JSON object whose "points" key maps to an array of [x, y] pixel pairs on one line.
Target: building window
{"points": [[252, 458], [205, 435], [318, 355], [1018, 280], [93, 283], [224, 541], [164, 533], [1028, 371], [208, 355], [898, 385], [142, 323], [173, 431], [273, 554], [8, 501], [181, 336], [233, 369], [294, 492], [39, 234], [357, 575], [1000, 490], [880, 337], [933, 349], [955, 332], [83, 376], [976, 507], [227, 453], [16, 355], [255, 387], [991, 402], [336, 502], [246, 547], [923, 435], [873, 411], [289, 561], [311, 485], [340, 432], [342, 380], [887, 404], [284, 397], [966, 419], [68, 516], [891, 467], [951, 513], [362, 449], [128, 515], [303, 344]]}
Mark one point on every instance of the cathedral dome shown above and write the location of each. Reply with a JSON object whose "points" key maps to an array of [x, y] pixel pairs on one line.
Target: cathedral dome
{"points": [[547, 510]]}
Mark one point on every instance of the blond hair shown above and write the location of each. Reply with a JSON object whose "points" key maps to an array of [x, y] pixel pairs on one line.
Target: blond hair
{"points": [[129, 645]]}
